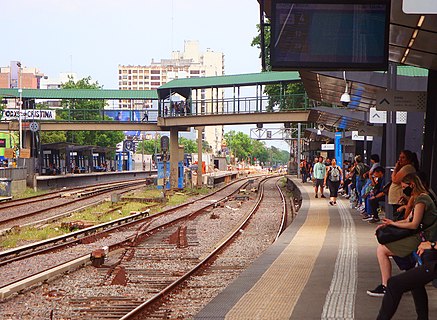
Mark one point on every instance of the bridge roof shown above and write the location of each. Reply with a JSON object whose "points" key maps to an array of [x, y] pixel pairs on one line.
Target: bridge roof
{"points": [[184, 86], [80, 94]]}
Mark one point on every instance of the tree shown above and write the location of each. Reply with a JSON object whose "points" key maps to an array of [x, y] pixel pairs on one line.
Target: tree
{"points": [[148, 147], [260, 151], [243, 147], [206, 147], [53, 136], [2, 107], [279, 156], [74, 109], [239, 144], [190, 146]]}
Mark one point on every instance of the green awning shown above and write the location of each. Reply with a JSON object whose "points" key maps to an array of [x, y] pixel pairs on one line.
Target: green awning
{"points": [[184, 86]]}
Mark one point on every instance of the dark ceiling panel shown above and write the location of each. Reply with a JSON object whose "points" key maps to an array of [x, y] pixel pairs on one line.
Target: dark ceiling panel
{"points": [[396, 53], [416, 58], [400, 35], [426, 41]]}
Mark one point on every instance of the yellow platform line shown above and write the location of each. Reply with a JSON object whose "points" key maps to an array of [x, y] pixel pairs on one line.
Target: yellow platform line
{"points": [[276, 293]]}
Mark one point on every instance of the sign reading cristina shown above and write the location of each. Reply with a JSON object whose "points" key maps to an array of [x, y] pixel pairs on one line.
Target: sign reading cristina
{"points": [[13, 114]]}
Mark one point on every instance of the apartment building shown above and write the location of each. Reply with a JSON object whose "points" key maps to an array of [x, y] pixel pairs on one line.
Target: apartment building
{"points": [[17, 76], [190, 63]]}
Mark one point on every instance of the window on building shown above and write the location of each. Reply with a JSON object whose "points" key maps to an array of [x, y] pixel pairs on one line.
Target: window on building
{"points": [[155, 78], [155, 71]]}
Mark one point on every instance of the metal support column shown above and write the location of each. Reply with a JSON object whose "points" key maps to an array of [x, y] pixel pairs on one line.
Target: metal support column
{"points": [[174, 154], [429, 157], [199, 156], [299, 149], [390, 135]]}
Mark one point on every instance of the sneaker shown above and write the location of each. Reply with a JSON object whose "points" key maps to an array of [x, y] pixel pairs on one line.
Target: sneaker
{"points": [[379, 291], [335, 202], [331, 203], [316, 196], [373, 220], [367, 218], [322, 196]]}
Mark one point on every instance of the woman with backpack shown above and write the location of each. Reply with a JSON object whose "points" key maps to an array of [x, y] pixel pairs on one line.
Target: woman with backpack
{"points": [[333, 179]]}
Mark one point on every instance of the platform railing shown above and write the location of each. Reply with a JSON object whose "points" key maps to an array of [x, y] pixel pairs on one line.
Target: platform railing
{"points": [[240, 105], [188, 107]]}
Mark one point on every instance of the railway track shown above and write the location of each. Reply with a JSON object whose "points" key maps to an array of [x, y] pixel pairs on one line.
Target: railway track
{"points": [[128, 225], [47, 206], [167, 246]]}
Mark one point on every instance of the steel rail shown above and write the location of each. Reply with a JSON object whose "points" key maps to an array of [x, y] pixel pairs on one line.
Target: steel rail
{"points": [[51, 195], [212, 255], [95, 192], [284, 213], [78, 236], [128, 241]]}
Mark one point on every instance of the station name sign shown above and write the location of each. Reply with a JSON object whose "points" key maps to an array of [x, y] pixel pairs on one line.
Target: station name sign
{"points": [[13, 114]]}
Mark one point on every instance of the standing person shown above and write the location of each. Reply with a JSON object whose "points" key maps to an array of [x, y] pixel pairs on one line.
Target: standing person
{"points": [[303, 170], [145, 117], [309, 170], [346, 178], [334, 177], [319, 172], [406, 164], [360, 170], [424, 213]]}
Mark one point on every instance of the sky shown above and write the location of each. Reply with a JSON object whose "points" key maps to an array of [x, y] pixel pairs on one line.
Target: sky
{"points": [[92, 37]]}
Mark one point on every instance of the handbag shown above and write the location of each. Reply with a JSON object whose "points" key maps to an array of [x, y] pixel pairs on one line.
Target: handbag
{"points": [[391, 233]]}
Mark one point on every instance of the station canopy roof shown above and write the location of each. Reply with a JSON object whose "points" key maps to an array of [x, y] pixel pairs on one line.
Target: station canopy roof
{"points": [[104, 94], [184, 86], [412, 39]]}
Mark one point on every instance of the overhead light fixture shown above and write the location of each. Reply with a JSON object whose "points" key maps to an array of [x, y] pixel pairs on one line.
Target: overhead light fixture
{"points": [[413, 38], [345, 97]]}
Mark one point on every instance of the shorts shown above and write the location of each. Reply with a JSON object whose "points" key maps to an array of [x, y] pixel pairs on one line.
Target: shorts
{"points": [[320, 183]]}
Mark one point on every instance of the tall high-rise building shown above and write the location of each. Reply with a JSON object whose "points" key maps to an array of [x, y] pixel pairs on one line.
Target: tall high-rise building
{"points": [[191, 63]]}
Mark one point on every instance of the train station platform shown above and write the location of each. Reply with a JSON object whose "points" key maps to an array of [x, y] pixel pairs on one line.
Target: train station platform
{"points": [[89, 179], [320, 268]]}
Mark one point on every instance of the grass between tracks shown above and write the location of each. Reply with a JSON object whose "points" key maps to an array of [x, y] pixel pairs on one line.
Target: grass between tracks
{"points": [[102, 213]]}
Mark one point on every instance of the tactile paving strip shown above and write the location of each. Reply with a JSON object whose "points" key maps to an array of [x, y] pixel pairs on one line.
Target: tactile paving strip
{"points": [[277, 291]]}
